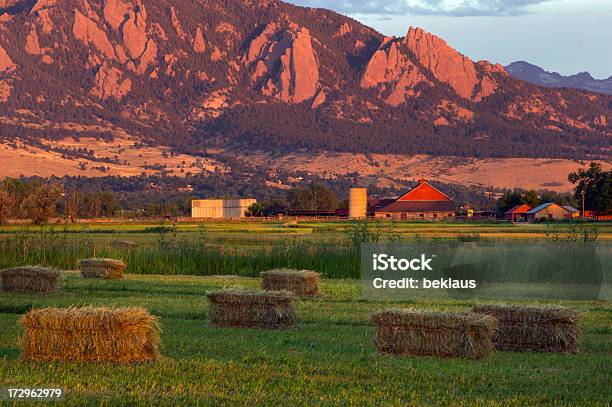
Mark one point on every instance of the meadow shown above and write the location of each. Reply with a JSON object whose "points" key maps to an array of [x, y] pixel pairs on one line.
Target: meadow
{"points": [[247, 248], [328, 359]]}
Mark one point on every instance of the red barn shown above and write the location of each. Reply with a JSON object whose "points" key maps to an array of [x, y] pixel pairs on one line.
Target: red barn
{"points": [[518, 213], [422, 202]]}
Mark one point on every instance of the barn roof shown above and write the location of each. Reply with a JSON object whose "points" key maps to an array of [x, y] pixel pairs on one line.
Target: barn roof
{"points": [[424, 191], [422, 198], [570, 209], [542, 207], [524, 208]]}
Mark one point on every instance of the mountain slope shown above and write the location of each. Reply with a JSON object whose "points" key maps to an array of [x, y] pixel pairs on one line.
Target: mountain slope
{"points": [[243, 74], [534, 74]]}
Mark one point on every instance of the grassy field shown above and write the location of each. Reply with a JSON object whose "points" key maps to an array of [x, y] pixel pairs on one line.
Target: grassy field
{"points": [[247, 248], [328, 359]]}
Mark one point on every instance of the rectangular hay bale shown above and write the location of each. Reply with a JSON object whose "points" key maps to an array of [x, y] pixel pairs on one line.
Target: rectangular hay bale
{"points": [[302, 283], [539, 329], [258, 309], [30, 279], [102, 268], [90, 334], [428, 333]]}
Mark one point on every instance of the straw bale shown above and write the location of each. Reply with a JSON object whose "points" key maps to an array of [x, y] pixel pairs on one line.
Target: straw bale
{"points": [[428, 333], [102, 268], [259, 309], [302, 283], [30, 279], [90, 334], [540, 329]]}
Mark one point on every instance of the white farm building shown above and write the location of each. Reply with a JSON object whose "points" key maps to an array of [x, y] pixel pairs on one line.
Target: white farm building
{"points": [[220, 208]]}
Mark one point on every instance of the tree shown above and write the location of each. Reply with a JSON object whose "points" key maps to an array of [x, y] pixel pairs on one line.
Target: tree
{"points": [[101, 204], [509, 200], [256, 210], [74, 204], [595, 186], [6, 204], [277, 207], [531, 198], [316, 197], [40, 204]]}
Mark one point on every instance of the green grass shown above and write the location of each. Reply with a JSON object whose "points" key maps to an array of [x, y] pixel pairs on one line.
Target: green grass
{"points": [[328, 359]]}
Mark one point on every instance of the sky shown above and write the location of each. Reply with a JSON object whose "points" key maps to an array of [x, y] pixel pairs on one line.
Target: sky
{"points": [[565, 36]]}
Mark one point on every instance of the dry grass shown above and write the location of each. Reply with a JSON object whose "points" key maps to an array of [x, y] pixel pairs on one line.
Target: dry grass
{"points": [[540, 329], [302, 283], [30, 279], [411, 332], [102, 268], [259, 309], [90, 335]]}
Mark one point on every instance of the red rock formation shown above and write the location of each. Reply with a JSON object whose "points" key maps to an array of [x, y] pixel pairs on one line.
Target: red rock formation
{"points": [[198, 43], [445, 63], [32, 46], [6, 63], [149, 57], [115, 12], [391, 70], [45, 21], [600, 120], [344, 29], [134, 31], [88, 32], [319, 100], [110, 83], [176, 23], [282, 56], [43, 4], [5, 90]]}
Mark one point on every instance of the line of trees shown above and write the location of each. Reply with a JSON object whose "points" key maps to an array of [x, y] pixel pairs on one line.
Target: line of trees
{"points": [[39, 200]]}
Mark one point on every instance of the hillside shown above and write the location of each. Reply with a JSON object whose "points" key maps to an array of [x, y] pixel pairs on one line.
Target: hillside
{"points": [[202, 77], [534, 74]]}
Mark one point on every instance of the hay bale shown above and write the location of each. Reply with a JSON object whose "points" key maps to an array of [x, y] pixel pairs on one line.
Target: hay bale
{"points": [[540, 329], [30, 279], [302, 283], [411, 332], [102, 268], [90, 334], [259, 309]]}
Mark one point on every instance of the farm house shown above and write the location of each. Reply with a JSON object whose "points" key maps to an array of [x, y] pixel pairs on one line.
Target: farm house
{"points": [[220, 208], [549, 211], [421, 202]]}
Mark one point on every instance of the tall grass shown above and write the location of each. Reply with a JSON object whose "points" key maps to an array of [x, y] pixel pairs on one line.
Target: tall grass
{"points": [[195, 255]]}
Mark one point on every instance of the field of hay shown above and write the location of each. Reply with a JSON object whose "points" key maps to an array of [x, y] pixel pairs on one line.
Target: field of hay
{"points": [[330, 358]]}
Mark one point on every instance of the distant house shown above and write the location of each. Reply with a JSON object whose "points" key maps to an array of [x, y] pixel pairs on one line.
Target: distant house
{"points": [[518, 213], [548, 211], [573, 212], [422, 202]]}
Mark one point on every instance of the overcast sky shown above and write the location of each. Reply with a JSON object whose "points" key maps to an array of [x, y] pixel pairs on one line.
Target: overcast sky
{"points": [[567, 36]]}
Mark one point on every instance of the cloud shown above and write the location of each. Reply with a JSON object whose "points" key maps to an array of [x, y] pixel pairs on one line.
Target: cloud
{"points": [[455, 8]]}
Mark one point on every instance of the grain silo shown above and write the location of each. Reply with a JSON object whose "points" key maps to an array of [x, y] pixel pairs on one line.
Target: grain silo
{"points": [[358, 203]]}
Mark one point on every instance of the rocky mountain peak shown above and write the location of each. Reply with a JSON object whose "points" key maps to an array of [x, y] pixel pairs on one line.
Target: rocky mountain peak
{"points": [[283, 62]]}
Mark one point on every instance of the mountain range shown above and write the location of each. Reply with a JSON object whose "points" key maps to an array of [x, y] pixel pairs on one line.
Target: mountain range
{"points": [[534, 74], [97, 85]]}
